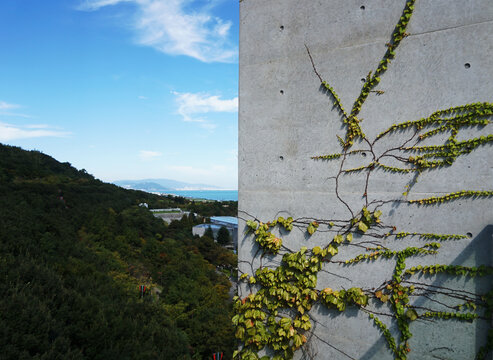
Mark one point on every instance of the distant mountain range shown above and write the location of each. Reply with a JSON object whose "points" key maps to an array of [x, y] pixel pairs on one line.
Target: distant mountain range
{"points": [[162, 185]]}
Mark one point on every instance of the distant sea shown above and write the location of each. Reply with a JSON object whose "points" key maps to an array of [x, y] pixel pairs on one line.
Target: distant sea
{"points": [[220, 195]]}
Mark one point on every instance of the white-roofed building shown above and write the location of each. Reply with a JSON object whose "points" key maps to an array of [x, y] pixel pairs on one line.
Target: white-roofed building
{"points": [[229, 222]]}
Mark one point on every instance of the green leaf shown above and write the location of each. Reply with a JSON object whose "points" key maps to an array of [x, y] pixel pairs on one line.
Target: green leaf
{"points": [[332, 250], [252, 224], [412, 314], [298, 340], [240, 333], [349, 237], [362, 227]]}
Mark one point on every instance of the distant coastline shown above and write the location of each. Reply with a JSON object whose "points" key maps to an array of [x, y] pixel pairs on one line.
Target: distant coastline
{"points": [[219, 195]]}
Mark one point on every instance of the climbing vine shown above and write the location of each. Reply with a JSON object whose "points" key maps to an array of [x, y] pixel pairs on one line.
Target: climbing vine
{"points": [[273, 320]]}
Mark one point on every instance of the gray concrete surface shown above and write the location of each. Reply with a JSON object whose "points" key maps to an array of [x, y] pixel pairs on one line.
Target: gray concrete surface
{"points": [[284, 119], [168, 217]]}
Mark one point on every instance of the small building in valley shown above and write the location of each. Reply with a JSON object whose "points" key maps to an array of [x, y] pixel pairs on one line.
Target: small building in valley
{"points": [[229, 222], [168, 215]]}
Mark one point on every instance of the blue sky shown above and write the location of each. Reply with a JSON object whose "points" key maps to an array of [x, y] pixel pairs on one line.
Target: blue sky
{"points": [[126, 89]]}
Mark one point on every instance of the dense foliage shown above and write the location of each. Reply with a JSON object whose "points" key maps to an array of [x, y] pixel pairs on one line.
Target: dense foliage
{"points": [[223, 236], [74, 252]]}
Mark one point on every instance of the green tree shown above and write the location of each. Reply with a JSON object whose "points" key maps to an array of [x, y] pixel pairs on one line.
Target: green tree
{"points": [[73, 252], [209, 233], [223, 236]]}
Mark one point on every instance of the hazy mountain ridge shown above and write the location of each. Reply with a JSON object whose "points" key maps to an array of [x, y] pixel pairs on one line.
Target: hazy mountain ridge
{"points": [[162, 185]]}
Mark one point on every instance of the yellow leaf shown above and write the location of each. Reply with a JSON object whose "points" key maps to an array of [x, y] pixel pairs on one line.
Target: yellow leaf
{"points": [[332, 250]]}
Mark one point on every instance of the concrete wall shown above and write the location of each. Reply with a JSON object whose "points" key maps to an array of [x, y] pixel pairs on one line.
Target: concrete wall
{"points": [[169, 216], [285, 118]]}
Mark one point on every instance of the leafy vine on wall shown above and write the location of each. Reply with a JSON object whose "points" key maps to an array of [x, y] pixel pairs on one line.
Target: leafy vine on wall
{"points": [[274, 318]]}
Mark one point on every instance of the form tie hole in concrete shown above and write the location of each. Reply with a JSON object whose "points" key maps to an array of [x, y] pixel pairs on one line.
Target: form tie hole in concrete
{"points": [[363, 80], [469, 235], [281, 92], [363, 154], [467, 65], [281, 158], [362, 7], [281, 27]]}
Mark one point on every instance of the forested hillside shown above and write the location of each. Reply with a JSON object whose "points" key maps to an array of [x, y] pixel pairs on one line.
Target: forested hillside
{"points": [[73, 253]]}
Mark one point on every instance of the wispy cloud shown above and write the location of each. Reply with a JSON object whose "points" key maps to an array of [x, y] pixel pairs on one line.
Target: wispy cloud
{"points": [[7, 106], [147, 155], [10, 132], [96, 4], [190, 104], [14, 114], [7, 109], [38, 126], [172, 28]]}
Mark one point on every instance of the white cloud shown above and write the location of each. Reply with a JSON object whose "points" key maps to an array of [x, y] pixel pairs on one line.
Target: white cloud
{"points": [[37, 126], [7, 106], [191, 104], [147, 155], [170, 27], [11, 114], [96, 4], [12, 132]]}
